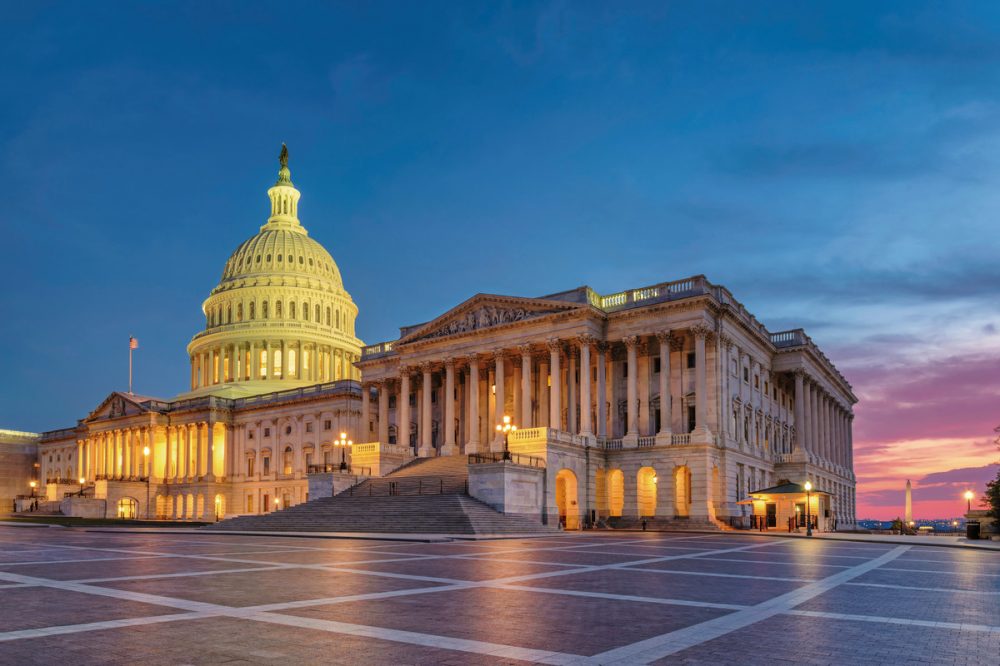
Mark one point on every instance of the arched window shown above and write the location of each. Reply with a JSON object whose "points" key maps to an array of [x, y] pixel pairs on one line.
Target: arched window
{"points": [[286, 463], [291, 310], [229, 314], [305, 312], [277, 309], [338, 318], [263, 309], [239, 312], [329, 317], [317, 314], [252, 310]]}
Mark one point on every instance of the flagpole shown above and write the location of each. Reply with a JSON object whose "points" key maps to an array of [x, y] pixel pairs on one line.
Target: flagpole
{"points": [[130, 365]]}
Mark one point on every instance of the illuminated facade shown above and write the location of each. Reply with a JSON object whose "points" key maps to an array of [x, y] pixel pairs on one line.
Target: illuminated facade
{"points": [[272, 386], [670, 402]]}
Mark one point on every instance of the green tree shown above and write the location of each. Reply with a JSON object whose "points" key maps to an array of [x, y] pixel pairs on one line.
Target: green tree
{"points": [[992, 499]]}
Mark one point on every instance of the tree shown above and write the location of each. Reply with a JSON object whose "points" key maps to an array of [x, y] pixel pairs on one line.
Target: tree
{"points": [[992, 500]]}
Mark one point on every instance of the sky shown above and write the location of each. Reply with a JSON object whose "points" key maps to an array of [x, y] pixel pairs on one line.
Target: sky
{"points": [[836, 165]]}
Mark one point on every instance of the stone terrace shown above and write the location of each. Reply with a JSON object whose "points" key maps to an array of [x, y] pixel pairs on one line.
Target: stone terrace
{"points": [[86, 597]]}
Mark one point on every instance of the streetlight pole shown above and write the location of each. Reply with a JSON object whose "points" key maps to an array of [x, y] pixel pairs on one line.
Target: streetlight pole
{"points": [[343, 443], [145, 468], [506, 429], [82, 482], [809, 527], [968, 501]]}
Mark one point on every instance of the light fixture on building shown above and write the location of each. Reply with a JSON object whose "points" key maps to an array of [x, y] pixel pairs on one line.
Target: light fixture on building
{"points": [[506, 428], [343, 442], [968, 499]]}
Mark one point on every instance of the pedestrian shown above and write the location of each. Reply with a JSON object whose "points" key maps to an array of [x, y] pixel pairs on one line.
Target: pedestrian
{"points": [[643, 524]]}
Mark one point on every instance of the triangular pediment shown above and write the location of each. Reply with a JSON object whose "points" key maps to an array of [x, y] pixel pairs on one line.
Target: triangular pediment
{"points": [[484, 311], [118, 405]]}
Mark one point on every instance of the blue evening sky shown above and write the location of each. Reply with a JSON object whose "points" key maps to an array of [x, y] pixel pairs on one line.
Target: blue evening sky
{"points": [[836, 165]]}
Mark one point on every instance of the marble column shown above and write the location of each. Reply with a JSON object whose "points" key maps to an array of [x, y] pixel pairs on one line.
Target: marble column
{"points": [[543, 394], [366, 398], [526, 412], [664, 338], [449, 408], [499, 358], [383, 411], [701, 385], [572, 424], [586, 417], [473, 444], [403, 408], [555, 394], [426, 424], [602, 389], [632, 387]]}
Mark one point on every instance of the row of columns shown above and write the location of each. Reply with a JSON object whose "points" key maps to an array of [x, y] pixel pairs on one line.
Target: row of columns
{"points": [[550, 382], [822, 424], [116, 454], [270, 360]]}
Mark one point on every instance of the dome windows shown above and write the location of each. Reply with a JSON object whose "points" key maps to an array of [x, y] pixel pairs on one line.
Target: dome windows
{"points": [[301, 260], [280, 257], [268, 258], [291, 259]]}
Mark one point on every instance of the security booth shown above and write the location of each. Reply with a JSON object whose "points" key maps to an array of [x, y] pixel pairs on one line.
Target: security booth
{"points": [[786, 506]]}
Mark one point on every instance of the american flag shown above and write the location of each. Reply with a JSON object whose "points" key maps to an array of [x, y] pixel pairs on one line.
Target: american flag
{"points": [[132, 343]]}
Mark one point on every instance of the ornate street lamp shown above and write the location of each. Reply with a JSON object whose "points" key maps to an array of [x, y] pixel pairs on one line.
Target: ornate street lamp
{"points": [[506, 429], [33, 484], [343, 443], [809, 526], [83, 482], [145, 469], [968, 499]]}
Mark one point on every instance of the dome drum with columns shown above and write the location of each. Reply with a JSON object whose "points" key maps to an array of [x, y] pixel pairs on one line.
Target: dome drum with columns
{"points": [[280, 317]]}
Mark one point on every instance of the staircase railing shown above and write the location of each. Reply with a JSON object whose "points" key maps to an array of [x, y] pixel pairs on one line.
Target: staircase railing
{"points": [[387, 487], [335, 467], [501, 456]]}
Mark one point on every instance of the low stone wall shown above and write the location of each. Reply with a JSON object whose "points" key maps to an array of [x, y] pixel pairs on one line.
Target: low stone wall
{"points": [[509, 488], [328, 484], [84, 507]]}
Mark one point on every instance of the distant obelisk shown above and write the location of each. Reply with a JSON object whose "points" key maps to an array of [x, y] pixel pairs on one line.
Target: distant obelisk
{"points": [[909, 503]]}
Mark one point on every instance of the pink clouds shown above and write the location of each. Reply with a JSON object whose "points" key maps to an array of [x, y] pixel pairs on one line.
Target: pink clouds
{"points": [[932, 423]]}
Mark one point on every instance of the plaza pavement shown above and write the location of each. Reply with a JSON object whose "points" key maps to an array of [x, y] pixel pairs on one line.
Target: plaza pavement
{"points": [[79, 597]]}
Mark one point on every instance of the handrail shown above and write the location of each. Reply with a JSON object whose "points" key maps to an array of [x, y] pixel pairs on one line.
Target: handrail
{"points": [[506, 456], [336, 467], [410, 486]]}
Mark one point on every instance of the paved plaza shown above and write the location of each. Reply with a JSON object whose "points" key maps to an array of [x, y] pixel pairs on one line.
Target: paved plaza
{"points": [[77, 597]]}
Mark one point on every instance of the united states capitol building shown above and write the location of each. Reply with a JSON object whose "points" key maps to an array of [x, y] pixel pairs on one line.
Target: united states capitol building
{"points": [[669, 403]]}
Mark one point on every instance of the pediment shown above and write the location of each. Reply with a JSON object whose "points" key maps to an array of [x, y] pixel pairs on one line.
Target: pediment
{"points": [[115, 406], [487, 311]]}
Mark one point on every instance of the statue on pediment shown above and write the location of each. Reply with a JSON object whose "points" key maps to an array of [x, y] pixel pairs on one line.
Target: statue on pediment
{"points": [[117, 407], [483, 317]]}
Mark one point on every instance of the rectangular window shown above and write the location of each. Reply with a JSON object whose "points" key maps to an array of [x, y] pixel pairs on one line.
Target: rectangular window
{"points": [[624, 369], [691, 360], [392, 402], [309, 460], [767, 387], [434, 397], [327, 425], [249, 503], [656, 365], [746, 375], [267, 465], [265, 504], [267, 432], [309, 427], [756, 381], [250, 434]]}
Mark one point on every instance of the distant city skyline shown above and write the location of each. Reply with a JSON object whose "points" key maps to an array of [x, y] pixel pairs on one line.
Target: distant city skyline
{"points": [[838, 172]]}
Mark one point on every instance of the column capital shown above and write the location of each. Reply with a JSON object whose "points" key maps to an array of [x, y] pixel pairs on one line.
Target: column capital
{"points": [[426, 367], [665, 336], [525, 349], [404, 370], [449, 361], [602, 347], [701, 331], [586, 340], [631, 341], [554, 344], [498, 354]]}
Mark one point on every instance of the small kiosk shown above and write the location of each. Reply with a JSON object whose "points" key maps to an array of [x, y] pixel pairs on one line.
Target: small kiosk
{"points": [[785, 507]]}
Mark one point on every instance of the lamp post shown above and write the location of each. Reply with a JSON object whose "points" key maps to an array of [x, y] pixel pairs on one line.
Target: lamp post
{"points": [[343, 443], [809, 527], [506, 429], [33, 484], [83, 481], [145, 469], [968, 501]]}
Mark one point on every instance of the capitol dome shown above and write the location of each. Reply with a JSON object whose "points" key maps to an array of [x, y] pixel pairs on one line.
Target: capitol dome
{"points": [[280, 316]]}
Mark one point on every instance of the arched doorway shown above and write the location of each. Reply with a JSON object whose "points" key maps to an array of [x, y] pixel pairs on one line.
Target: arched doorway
{"points": [[682, 491], [567, 499], [616, 492], [128, 508], [601, 492], [646, 481]]}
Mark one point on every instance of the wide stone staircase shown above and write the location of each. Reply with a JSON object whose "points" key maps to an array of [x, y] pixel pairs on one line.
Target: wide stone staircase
{"points": [[428, 495]]}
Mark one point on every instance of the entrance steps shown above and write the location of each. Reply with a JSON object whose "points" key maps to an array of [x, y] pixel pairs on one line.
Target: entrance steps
{"points": [[427, 495], [427, 514]]}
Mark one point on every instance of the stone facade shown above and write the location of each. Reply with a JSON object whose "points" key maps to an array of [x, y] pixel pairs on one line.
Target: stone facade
{"points": [[669, 401]]}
